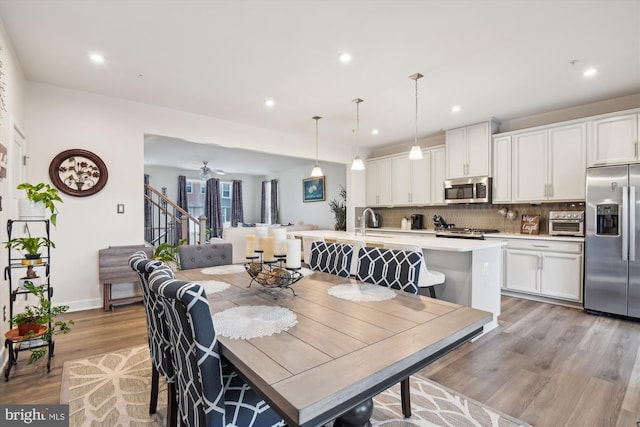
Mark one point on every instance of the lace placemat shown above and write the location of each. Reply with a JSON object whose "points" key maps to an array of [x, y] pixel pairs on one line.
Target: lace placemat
{"points": [[213, 286], [252, 321], [224, 269], [361, 292]]}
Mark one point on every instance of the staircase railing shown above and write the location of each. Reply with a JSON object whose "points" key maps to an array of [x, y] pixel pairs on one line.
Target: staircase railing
{"points": [[166, 222]]}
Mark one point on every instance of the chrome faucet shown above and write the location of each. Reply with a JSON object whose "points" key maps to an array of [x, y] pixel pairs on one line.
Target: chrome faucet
{"points": [[363, 219]]}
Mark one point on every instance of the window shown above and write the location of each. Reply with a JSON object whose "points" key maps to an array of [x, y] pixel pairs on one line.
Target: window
{"points": [[225, 202], [196, 197], [267, 202]]}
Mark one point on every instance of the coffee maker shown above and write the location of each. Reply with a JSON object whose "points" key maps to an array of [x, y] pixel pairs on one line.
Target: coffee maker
{"points": [[417, 222]]}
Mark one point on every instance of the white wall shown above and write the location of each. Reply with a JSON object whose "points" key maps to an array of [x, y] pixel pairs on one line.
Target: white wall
{"points": [[60, 119]]}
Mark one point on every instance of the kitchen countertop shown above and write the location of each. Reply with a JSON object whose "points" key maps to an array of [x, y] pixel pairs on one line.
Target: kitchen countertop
{"points": [[488, 236], [413, 237]]}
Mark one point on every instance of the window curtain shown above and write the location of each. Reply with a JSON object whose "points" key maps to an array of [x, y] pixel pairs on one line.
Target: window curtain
{"points": [[264, 214], [237, 211], [213, 207], [182, 202], [275, 214], [148, 221]]}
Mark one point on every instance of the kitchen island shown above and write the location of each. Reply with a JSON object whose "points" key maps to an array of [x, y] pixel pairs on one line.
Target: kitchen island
{"points": [[473, 268]]}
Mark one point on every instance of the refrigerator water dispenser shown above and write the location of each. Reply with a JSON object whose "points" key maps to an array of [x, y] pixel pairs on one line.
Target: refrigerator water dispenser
{"points": [[607, 220]]}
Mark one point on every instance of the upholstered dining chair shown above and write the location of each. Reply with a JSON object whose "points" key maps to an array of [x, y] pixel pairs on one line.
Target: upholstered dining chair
{"points": [[356, 244], [394, 269], [333, 258], [306, 247], [211, 392], [206, 255], [428, 278], [158, 335]]}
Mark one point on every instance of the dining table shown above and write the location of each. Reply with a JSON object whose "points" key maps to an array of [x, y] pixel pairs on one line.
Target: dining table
{"points": [[340, 353]]}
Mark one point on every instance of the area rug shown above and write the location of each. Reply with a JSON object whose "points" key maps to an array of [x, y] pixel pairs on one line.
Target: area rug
{"points": [[113, 390]]}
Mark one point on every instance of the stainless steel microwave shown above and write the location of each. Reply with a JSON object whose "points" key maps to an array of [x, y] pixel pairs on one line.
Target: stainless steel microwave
{"points": [[468, 190]]}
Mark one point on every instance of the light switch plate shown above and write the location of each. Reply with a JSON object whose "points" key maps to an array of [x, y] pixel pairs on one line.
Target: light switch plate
{"points": [[120, 208]]}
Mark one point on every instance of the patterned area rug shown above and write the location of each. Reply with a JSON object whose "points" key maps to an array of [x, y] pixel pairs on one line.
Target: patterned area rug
{"points": [[113, 390]]}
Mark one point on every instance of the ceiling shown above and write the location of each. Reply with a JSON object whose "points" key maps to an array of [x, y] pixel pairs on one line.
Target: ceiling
{"points": [[502, 59]]}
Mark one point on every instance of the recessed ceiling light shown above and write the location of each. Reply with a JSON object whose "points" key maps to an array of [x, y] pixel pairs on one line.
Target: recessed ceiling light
{"points": [[345, 57], [97, 58], [374, 131], [590, 72], [269, 102], [455, 109]]}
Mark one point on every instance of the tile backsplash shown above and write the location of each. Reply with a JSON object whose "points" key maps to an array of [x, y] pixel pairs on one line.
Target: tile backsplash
{"points": [[473, 216]]}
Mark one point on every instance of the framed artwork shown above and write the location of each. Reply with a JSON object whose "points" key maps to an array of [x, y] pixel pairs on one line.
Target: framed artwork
{"points": [[3, 161], [78, 172], [313, 189]]}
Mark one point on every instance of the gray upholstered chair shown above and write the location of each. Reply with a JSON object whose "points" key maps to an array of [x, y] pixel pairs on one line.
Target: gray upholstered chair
{"points": [[333, 258], [211, 392], [394, 269], [158, 335], [207, 255]]}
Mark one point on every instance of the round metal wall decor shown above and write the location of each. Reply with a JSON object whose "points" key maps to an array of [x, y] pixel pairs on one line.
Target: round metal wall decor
{"points": [[78, 172]]}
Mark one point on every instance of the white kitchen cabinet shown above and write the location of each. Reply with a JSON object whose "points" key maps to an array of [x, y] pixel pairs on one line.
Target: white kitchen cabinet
{"points": [[378, 182], [545, 268], [614, 140], [501, 191], [410, 180], [468, 150], [548, 164], [438, 158]]}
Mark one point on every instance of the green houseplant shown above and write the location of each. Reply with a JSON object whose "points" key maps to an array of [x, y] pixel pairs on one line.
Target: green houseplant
{"points": [[339, 210], [42, 313], [30, 248], [45, 194]]}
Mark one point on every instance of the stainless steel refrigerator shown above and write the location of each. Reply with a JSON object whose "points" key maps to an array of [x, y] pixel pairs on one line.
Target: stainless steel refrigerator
{"points": [[612, 241]]}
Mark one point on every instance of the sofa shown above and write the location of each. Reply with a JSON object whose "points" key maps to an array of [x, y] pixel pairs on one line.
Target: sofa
{"points": [[237, 237]]}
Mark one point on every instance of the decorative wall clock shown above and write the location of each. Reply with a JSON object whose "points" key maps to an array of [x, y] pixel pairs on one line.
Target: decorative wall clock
{"points": [[78, 172]]}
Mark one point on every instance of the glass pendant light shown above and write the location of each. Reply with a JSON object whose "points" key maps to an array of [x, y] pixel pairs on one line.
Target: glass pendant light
{"points": [[357, 164], [416, 151], [316, 171]]}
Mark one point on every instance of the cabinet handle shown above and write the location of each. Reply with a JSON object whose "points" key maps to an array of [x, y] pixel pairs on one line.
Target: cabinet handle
{"points": [[635, 148], [541, 262], [545, 190], [540, 246], [550, 190]]}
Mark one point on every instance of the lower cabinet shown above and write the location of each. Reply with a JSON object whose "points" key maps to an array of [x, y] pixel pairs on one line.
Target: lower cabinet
{"points": [[545, 268]]}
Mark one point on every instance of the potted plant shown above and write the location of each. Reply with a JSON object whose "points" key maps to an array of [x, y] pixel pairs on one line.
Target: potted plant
{"points": [[30, 248], [30, 321], [339, 210], [39, 198], [167, 253]]}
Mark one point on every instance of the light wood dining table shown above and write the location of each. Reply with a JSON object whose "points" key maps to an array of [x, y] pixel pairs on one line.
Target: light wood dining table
{"points": [[341, 353]]}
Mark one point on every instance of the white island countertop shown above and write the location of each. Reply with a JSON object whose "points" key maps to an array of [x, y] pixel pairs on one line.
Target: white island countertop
{"points": [[422, 240]]}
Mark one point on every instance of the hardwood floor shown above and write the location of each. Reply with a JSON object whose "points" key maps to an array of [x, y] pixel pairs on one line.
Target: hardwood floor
{"points": [[551, 366], [547, 365]]}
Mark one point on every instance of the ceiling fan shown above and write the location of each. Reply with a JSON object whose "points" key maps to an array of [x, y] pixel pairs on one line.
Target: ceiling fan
{"points": [[206, 171]]}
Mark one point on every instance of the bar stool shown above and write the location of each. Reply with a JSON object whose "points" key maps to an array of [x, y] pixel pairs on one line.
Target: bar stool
{"points": [[428, 278]]}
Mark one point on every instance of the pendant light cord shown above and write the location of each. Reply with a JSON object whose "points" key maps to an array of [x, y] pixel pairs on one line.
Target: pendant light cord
{"points": [[416, 129]]}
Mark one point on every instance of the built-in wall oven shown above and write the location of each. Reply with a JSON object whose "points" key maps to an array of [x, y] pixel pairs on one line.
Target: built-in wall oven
{"points": [[468, 190]]}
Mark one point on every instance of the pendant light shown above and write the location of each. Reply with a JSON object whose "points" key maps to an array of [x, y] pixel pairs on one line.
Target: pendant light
{"points": [[205, 172], [416, 151], [357, 164], [316, 171]]}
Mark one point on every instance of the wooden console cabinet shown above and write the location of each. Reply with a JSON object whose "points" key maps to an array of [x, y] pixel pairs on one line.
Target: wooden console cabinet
{"points": [[114, 269]]}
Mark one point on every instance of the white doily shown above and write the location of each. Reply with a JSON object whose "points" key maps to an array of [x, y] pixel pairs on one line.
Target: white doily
{"points": [[306, 271], [213, 286], [224, 269], [361, 292], [246, 322]]}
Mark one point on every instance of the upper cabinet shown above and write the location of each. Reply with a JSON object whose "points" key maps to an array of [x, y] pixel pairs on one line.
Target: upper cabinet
{"points": [[398, 181], [614, 140], [468, 150], [418, 182], [548, 164], [378, 182], [501, 190]]}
